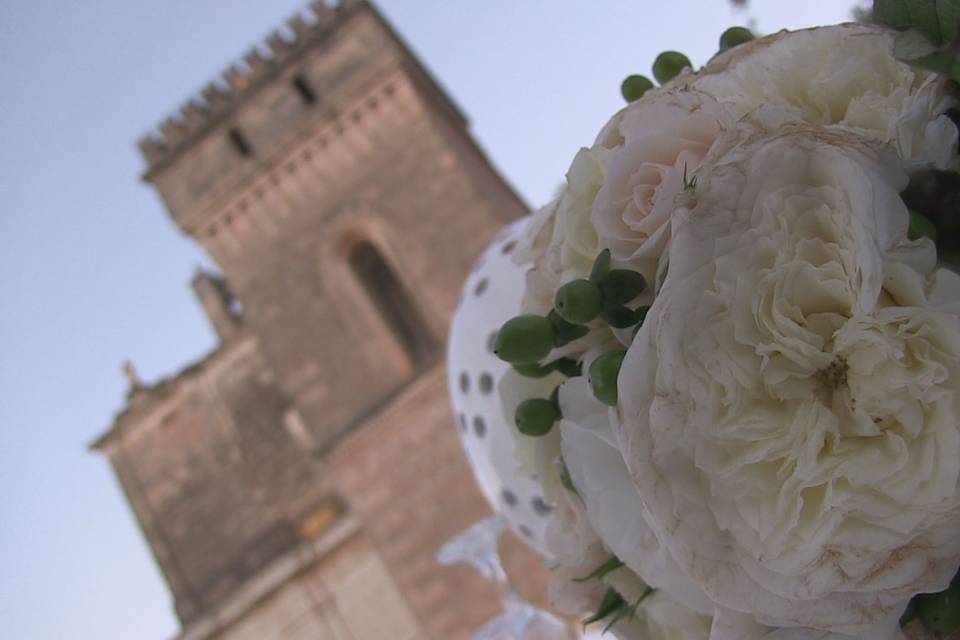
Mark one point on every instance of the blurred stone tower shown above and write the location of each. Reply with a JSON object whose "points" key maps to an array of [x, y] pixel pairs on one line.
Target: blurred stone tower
{"points": [[296, 482]]}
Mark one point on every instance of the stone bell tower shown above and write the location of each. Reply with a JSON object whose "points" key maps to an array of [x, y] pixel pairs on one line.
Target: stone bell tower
{"points": [[296, 482]]}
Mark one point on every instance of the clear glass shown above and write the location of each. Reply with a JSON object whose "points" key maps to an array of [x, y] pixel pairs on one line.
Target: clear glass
{"points": [[478, 546]]}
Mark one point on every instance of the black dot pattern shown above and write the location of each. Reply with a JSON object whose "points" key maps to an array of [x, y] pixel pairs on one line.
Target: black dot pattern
{"points": [[475, 392], [540, 507], [486, 383], [481, 287], [479, 426]]}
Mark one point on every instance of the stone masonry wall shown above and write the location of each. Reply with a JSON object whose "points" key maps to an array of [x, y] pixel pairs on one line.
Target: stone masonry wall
{"points": [[406, 478]]}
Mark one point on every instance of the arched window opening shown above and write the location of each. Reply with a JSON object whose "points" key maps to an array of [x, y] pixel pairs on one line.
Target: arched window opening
{"points": [[392, 301]]}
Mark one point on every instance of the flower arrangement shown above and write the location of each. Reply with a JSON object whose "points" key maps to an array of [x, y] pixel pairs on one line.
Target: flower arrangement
{"points": [[736, 372]]}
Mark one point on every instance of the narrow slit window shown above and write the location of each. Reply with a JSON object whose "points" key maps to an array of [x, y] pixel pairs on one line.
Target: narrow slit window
{"points": [[240, 142], [392, 301], [304, 89]]}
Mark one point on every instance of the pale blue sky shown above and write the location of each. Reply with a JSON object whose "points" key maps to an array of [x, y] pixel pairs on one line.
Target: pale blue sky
{"points": [[92, 271]]}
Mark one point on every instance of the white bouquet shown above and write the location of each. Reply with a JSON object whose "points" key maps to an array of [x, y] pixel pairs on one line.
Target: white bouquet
{"points": [[757, 434]]}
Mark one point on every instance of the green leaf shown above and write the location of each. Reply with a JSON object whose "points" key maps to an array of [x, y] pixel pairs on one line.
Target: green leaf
{"points": [[923, 15], [909, 614], [601, 267], [892, 13], [920, 226], [940, 612], [912, 45], [641, 316], [948, 14], [568, 367], [621, 286], [533, 370], [620, 317], [566, 480], [565, 332], [617, 617], [629, 610], [611, 602], [643, 596], [609, 566], [943, 62]]}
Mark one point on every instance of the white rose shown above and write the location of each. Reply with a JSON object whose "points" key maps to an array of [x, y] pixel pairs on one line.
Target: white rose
{"points": [[533, 455], [598, 471], [567, 591], [537, 234], [794, 436], [841, 76], [729, 625], [576, 549], [660, 617], [560, 240], [667, 619], [664, 136]]}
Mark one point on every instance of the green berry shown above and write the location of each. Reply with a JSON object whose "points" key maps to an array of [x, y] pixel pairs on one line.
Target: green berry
{"points": [[603, 376], [579, 301], [734, 36], [940, 612], [524, 339], [535, 417], [533, 370], [920, 226], [621, 286], [634, 87], [668, 65]]}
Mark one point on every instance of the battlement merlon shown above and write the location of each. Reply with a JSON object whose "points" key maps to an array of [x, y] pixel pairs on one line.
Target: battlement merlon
{"points": [[216, 102]]}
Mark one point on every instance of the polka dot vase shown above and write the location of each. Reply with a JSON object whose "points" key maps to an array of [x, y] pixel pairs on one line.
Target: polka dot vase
{"points": [[491, 296]]}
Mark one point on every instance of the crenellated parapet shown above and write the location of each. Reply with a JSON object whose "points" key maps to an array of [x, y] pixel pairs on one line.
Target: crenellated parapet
{"points": [[220, 97]]}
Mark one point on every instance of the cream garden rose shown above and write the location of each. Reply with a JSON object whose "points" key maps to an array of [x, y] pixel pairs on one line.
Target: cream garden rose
{"points": [[599, 476], [619, 193], [844, 77], [561, 242], [664, 136], [597, 469], [791, 428], [784, 459]]}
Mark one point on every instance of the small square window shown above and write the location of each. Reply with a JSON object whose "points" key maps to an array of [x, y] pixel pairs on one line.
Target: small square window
{"points": [[240, 142], [304, 90]]}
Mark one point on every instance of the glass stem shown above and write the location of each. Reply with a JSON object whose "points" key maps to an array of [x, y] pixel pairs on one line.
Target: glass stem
{"points": [[509, 599]]}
